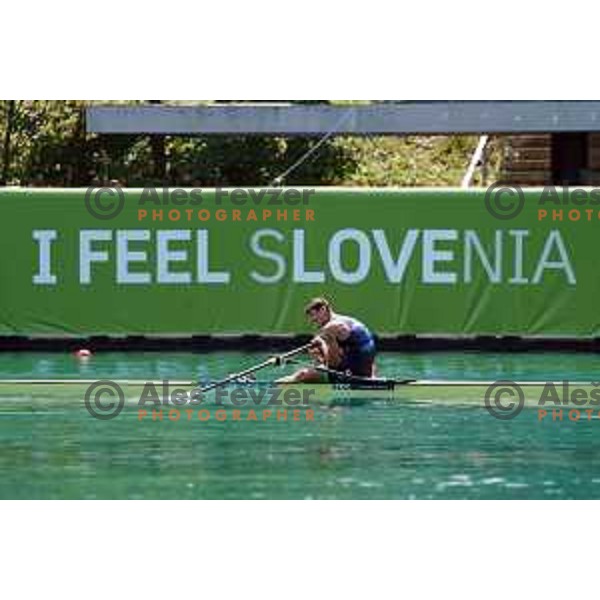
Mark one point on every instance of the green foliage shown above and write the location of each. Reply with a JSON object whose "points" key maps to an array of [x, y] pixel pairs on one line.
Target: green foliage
{"points": [[417, 160], [45, 142], [49, 147], [224, 161]]}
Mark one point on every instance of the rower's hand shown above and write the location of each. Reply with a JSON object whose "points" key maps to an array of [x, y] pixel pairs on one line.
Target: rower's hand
{"points": [[316, 354]]}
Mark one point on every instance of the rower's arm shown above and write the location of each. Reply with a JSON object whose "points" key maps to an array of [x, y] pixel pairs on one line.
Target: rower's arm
{"points": [[321, 347], [337, 329]]}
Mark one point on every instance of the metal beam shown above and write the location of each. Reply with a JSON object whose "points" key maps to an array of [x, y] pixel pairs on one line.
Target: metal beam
{"points": [[391, 118]]}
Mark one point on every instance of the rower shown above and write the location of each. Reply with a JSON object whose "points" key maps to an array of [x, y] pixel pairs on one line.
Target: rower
{"points": [[344, 346]]}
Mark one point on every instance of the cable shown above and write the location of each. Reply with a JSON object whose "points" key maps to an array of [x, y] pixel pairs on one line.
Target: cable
{"points": [[280, 178]]}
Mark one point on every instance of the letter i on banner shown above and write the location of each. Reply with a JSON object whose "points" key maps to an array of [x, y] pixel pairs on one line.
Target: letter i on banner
{"points": [[44, 240]]}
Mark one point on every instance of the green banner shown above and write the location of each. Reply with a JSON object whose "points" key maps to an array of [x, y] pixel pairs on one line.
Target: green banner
{"points": [[407, 261]]}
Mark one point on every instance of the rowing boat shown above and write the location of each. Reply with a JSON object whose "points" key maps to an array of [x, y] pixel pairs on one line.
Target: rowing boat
{"points": [[356, 391]]}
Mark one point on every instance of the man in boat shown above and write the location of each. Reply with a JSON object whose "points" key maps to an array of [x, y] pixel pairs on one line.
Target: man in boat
{"points": [[343, 347]]}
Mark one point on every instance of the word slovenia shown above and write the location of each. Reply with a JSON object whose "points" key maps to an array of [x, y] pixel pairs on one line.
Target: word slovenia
{"points": [[271, 256]]}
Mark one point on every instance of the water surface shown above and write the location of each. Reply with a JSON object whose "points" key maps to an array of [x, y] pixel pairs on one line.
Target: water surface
{"points": [[374, 450]]}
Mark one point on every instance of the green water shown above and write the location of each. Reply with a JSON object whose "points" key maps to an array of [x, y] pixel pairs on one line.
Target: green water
{"points": [[375, 450]]}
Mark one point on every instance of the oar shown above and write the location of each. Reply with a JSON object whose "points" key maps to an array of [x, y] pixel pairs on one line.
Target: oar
{"points": [[274, 360]]}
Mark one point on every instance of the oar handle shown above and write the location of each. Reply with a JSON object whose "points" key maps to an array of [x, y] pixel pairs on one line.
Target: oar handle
{"points": [[282, 358]]}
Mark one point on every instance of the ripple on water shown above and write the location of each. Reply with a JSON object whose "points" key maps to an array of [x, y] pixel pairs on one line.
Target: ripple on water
{"points": [[493, 481], [350, 481], [459, 480]]}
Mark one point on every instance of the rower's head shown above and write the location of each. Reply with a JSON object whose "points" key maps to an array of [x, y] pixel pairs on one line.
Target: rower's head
{"points": [[318, 311]]}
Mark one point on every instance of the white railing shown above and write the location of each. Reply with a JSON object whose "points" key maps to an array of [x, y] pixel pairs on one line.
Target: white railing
{"points": [[475, 161]]}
